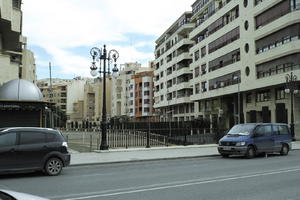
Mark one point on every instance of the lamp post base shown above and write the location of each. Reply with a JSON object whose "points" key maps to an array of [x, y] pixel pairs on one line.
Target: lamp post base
{"points": [[104, 147]]}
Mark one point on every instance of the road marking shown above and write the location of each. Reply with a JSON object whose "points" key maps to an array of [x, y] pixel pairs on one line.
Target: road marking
{"points": [[170, 185]]}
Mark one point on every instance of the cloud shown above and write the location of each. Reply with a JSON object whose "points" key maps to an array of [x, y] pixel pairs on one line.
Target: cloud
{"points": [[58, 26]]}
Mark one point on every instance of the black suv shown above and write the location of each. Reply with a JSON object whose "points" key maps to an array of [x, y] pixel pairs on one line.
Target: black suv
{"points": [[30, 149]]}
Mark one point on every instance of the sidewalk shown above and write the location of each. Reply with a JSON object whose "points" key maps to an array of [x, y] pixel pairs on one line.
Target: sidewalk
{"points": [[143, 154]]}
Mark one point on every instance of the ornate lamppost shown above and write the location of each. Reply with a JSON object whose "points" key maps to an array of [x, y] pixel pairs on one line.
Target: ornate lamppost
{"points": [[106, 58], [291, 88]]}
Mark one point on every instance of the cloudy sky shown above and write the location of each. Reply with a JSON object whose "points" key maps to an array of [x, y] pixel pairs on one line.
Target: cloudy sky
{"points": [[63, 31]]}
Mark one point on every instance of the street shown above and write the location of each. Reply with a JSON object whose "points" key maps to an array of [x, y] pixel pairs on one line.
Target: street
{"points": [[274, 177]]}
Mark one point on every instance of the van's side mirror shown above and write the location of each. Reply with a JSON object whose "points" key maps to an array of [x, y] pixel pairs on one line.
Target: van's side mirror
{"points": [[255, 135]]}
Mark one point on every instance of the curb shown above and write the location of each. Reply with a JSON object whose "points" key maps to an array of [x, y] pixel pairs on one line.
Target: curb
{"points": [[140, 160]]}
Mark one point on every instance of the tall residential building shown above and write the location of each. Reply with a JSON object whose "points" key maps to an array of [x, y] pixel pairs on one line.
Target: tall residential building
{"points": [[172, 73], [120, 89], [241, 54], [15, 60], [141, 94]]}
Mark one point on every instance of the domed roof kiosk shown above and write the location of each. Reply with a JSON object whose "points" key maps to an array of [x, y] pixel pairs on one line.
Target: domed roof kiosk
{"points": [[21, 104]]}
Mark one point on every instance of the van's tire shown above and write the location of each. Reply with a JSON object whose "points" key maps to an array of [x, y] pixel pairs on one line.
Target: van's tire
{"points": [[250, 152], [284, 150], [53, 166]]}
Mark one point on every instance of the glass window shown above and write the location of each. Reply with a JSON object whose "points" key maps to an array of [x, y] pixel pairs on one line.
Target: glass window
{"points": [[281, 130], [262, 131], [8, 139], [51, 137], [32, 137]]}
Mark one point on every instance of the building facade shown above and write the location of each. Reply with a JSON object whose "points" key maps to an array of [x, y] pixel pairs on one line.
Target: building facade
{"points": [[55, 91], [172, 73], [120, 89], [84, 102], [241, 53], [141, 94], [16, 61]]}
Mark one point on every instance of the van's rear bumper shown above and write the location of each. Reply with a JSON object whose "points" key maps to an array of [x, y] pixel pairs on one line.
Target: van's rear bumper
{"points": [[232, 150]]}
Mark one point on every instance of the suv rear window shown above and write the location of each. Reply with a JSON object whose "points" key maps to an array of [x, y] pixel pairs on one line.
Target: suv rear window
{"points": [[54, 137], [32, 137]]}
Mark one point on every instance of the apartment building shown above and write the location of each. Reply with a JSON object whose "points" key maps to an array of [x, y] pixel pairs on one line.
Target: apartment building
{"points": [[120, 89], [141, 94], [84, 102], [15, 60], [55, 91], [172, 74], [241, 53]]}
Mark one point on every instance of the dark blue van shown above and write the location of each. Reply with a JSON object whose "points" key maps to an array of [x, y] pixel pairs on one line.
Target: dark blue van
{"points": [[251, 139]]}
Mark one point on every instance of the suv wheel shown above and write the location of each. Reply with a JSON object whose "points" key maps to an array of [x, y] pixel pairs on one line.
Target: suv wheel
{"points": [[225, 155], [250, 152], [284, 150], [53, 166]]}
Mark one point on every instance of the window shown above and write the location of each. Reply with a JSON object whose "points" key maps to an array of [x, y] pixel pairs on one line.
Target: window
{"points": [[8, 139], [263, 96], [280, 130], [146, 93], [16, 4], [263, 131], [196, 55], [146, 84], [196, 71], [197, 88], [248, 98], [203, 51], [280, 94], [53, 137], [146, 101], [203, 69], [32, 138]]}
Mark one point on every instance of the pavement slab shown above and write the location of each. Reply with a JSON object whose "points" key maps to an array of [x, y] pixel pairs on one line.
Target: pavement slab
{"points": [[144, 154]]}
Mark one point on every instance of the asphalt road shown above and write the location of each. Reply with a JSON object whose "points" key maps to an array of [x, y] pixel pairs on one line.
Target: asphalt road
{"points": [[275, 177]]}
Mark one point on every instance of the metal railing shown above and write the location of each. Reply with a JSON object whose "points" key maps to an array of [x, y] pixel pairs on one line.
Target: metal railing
{"points": [[89, 140]]}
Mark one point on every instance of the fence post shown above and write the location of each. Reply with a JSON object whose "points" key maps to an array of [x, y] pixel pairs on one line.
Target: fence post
{"points": [[91, 142], [148, 135]]}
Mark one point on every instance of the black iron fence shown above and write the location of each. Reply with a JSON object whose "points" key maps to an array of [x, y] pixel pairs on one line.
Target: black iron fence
{"points": [[124, 136]]}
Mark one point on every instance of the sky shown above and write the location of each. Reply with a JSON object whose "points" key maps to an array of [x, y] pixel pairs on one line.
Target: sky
{"points": [[63, 31]]}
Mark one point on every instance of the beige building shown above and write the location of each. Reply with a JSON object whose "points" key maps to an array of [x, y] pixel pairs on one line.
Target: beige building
{"points": [[84, 102], [15, 60], [120, 105], [241, 53], [55, 92]]}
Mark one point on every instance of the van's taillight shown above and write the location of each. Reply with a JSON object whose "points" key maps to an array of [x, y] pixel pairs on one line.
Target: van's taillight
{"points": [[65, 144]]}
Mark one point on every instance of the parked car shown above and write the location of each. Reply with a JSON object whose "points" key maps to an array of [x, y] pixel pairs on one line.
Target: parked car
{"points": [[12, 195], [251, 139], [31, 149]]}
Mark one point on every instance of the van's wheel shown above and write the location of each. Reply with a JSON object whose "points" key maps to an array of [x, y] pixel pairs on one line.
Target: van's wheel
{"points": [[53, 166], [250, 152], [284, 150]]}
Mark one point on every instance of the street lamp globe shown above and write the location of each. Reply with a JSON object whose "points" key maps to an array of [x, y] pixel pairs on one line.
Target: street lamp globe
{"points": [[94, 73]]}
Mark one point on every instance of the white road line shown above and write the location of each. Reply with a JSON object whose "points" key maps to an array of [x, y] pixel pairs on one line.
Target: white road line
{"points": [[171, 185]]}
